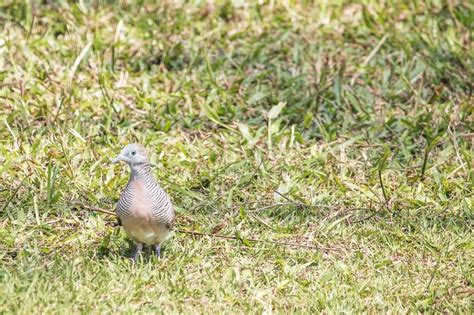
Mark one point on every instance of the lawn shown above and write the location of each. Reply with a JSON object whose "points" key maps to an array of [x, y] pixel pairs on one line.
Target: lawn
{"points": [[344, 127]]}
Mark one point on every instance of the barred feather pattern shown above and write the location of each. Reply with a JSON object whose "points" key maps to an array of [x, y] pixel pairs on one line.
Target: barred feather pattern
{"points": [[162, 210]]}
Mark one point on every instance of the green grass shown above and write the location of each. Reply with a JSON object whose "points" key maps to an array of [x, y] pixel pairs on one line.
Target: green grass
{"points": [[355, 120]]}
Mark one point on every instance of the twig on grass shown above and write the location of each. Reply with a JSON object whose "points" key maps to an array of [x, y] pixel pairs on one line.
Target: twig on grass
{"points": [[97, 209], [275, 205], [92, 208], [259, 240], [290, 202]]}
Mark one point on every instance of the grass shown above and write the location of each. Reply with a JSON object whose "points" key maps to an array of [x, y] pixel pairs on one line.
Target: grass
{"points": [[344, 125]]}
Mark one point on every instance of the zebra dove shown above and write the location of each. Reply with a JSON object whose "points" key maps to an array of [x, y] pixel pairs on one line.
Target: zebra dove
{"points": [[144, 209]]}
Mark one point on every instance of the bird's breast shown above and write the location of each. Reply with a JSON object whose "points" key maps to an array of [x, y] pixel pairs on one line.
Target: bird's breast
{"points": [[143, 230], [139, 221], [141, 204]]}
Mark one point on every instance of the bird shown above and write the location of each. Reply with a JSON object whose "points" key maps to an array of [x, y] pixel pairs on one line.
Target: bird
{"points": [[144, 209]]}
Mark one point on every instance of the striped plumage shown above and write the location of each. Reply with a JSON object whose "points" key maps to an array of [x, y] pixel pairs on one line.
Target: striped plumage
{"points": [[144, 209]]}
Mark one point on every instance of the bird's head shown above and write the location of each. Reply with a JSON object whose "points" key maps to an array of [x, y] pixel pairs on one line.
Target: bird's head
{"points": [[132, 154]]}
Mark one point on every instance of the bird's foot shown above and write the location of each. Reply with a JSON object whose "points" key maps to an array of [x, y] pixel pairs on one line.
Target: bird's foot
{"points": [[158, 251], [137, 252]]}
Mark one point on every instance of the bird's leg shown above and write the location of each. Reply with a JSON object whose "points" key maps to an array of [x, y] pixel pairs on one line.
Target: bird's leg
{"points": [[158, 251], [137, 252]]}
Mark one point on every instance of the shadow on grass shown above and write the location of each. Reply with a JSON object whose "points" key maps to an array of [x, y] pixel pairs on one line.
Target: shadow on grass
{"points": [[125, 250]]}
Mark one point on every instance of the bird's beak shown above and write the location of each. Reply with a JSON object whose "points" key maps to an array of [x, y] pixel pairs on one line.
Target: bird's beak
{"points": [[117, 159]]}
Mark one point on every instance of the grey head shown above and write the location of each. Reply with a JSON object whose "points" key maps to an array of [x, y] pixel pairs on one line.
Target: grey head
{"points": [[133, 154]]}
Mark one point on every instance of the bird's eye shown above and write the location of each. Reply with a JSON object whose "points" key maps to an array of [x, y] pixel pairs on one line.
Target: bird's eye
{"points": [[134, 152]]}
